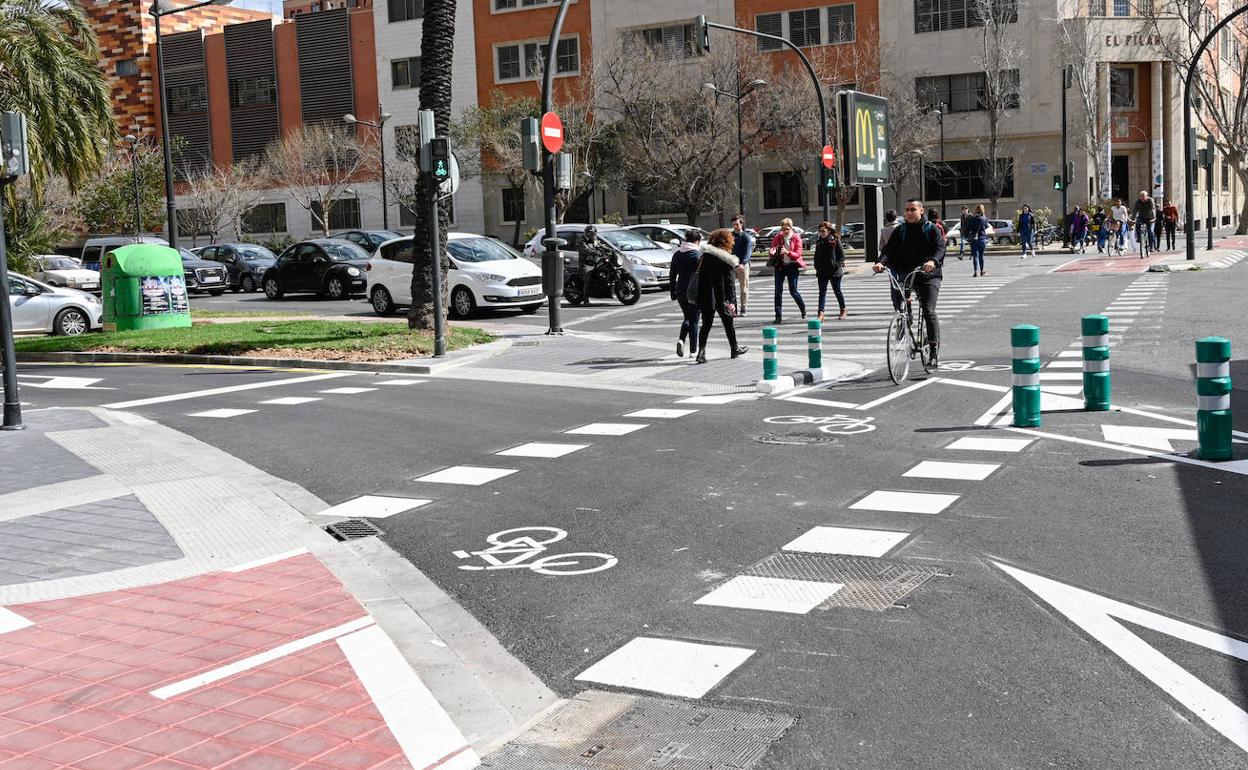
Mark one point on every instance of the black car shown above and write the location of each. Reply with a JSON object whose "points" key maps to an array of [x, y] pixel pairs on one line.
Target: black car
{"points": [[368, 240], [203, 276], [327, 267], [244, 263]]}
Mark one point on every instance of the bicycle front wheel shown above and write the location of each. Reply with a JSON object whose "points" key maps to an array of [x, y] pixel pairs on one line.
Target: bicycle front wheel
{"points": [[898, 349], [573, 563]]}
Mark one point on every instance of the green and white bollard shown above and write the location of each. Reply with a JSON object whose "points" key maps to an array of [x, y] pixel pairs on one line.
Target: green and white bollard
{"points": [[814, 344], [1213, 390], [1025, 339], [771, 346], [1096, 385]]}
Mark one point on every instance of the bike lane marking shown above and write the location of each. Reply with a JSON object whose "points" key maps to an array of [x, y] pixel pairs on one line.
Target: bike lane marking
{"points": [[904, 502], [899, 393], [466, 475], [753, 592], [542, 450], [847, 541], [668, 666], [606, 429], [957, 471], [373, 507], [227, 389]]}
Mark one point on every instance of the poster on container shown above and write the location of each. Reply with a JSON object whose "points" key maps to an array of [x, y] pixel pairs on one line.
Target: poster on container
{"points": [[163, 294]]}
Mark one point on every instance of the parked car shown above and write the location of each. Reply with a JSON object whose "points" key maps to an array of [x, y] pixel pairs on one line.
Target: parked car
{"points": [[647, 261], [244, 263], [42, 307], [94, 249], [854, 235], [954, 233], [325, 266], [485, 273], [767, 233], [666, 235], [1003, 231], [368, 240], [65, 272], [202, 276]]}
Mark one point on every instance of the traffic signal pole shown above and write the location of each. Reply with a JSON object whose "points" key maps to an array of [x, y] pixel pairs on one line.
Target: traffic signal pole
{"points": [[552, 260], [1066, 78]]}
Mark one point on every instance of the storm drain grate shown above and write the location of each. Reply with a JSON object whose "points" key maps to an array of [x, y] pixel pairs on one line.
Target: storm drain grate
{"points": [[352, 529], [613, 731], [869, 584], [796, 439]]}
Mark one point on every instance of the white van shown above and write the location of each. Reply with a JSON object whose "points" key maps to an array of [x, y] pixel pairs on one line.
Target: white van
{"points": [[94, 249]]}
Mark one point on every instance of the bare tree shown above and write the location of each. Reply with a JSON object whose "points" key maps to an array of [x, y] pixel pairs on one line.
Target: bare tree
{"points": [[999, 58], [1221, 83], [488, 140], [219, 198], [317, 164], [1076, 50]]}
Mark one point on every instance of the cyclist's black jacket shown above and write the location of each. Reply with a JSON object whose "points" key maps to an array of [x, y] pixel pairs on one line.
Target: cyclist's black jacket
{"points": [[913, 244], [1145, 211]]}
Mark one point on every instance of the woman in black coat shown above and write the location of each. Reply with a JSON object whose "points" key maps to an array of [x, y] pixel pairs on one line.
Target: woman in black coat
{"points": [[829, 266], [717, 290], [684, 265]]}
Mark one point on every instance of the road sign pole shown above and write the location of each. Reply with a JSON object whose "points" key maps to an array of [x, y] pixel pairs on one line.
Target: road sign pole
{"points": [[12, 398], [1213, 393], [1025, 340], [1096, 384], [552, 262]]}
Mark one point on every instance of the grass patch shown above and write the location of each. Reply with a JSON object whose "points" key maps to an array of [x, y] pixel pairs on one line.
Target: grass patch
{"points": [[324, 340]]}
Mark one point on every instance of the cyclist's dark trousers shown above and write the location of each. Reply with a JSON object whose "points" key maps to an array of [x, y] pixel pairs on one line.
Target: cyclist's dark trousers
{"points": [[712, 302], [927, 290], [1170, 228], [689, 327]]}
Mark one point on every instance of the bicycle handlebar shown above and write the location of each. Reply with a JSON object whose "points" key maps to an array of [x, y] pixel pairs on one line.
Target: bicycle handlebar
{"points": [[905, 284]]}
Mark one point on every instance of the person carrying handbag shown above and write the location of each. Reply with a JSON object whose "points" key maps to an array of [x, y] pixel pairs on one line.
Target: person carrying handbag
{"points": [[684, 270], [829, 267], [717, 291], [786, 258]]}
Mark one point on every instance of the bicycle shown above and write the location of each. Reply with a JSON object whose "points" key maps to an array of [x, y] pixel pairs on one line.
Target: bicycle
{"points": [[521, 548], [835, 423], [1143, 244], [904, 340]]}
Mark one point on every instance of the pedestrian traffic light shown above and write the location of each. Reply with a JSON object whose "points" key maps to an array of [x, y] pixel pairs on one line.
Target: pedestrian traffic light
{"points": [[1070, 173], [703, 32], [440, 157], [1057, 183], [829, 179]]}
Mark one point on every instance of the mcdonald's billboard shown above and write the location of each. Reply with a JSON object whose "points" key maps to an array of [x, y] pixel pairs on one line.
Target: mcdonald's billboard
{"points": [[865, 138]]}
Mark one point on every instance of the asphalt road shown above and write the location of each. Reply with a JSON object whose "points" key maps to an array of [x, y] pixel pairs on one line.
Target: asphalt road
{"points": [[963, 663]]}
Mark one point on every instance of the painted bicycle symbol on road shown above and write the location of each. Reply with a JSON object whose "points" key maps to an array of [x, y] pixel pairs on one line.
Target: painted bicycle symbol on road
{"points": [[517, 549], [970, 366], [843, 424]]}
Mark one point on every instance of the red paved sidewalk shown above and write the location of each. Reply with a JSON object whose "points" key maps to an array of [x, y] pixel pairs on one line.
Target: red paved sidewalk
{"points": [[1093, 262], [76, 686]]}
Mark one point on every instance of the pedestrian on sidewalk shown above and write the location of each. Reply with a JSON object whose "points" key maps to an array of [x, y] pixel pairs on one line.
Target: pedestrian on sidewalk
{"points": [[890, 224], [1100, 228], [717, 290], [977, 234], [1027, 231], [1078, 230], [829, 266], [1170, 216], [742, 249], [966, 217], [933, 216], [684, 265], [786, 258]]}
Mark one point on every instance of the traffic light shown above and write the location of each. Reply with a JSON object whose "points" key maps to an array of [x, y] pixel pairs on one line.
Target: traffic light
{"points": [[828, 183], [440, 157], [703, 32], [1057, 183], [1070, 173]]}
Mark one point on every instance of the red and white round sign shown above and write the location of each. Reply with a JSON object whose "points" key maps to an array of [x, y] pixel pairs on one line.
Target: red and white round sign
{"points": [[552, 132], [829, 156]]}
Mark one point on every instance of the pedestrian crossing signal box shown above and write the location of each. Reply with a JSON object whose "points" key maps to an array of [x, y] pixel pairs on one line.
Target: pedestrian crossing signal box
{"points": [[440, 156], [1057, 182]]}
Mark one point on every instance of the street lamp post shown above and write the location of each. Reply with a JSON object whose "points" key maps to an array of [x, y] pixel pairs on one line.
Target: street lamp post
{"points": [[739, 97], [160, 9], [1067, 82], [939, 111], [380, 125], [133, 141]]}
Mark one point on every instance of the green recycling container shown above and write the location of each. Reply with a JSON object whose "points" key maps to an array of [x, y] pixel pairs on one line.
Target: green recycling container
{"points": [[144, 288]]}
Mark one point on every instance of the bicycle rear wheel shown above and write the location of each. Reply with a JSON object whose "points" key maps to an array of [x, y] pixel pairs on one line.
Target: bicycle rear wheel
{"points": [[899, 349]]}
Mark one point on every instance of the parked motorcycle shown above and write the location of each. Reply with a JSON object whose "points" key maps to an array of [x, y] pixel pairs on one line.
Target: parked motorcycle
{"points": [[609, 277]]}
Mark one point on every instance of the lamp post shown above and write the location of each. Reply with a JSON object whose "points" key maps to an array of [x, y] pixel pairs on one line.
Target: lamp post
{"points": [[939, 111], [133, 141], [739, 97], [380, 125], [1067, 81], [159, 10]]}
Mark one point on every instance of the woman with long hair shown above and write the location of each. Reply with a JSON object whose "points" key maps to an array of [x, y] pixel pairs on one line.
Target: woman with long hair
{"points": [[786, 258], [829, 266], [717, 291]]}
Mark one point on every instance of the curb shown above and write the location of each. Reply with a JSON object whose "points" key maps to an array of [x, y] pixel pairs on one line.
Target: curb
{"points": [[791, 380]]}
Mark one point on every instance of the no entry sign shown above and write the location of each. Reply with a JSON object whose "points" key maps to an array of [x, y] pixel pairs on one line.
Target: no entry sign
{"points": [[829, 156], [552, 132]]}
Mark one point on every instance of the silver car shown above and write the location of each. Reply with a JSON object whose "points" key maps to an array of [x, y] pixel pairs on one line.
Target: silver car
{"points": [[39, 307]]}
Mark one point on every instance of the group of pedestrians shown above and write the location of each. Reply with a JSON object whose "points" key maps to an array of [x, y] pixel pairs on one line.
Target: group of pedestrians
{"points": [[1121, 227]]}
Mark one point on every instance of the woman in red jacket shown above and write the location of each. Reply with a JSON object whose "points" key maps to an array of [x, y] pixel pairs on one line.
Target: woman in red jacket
{"points": [[786, 258]]}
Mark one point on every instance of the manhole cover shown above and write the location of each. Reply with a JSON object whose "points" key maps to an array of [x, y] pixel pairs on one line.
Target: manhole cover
{"points": [[352, 529], [870, 584], [796, 439]]}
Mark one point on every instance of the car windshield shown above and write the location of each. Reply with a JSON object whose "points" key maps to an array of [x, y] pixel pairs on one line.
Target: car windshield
{"points": [[479, 250], [255, 253], [59, 263], [344, 252], [381, 236], [627, 240], [188, 256]]}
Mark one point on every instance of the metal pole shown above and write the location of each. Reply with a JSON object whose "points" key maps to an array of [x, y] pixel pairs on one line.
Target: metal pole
{"points": [[1065, 159], [1210, 220], [170, 202], [385, 201], [12, 399], [435, 246], [944, 214], [740, 153], [138, 198], [552, 262]]}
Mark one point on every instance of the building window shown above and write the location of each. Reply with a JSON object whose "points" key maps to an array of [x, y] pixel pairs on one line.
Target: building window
{"points": [[1122, 7], [804, 29], [533, 55], [405, 73], [770, 24], [343, 215], [511, 5], [266, 218], [965, 92], [406, 10], [126, 68], [1096, 7], [671, 42], [938, 15], [963, 179], [842, 24], [186, 99], [1226, 176], [256, 90], [782, 190], [1122, 88], [513, 204]]}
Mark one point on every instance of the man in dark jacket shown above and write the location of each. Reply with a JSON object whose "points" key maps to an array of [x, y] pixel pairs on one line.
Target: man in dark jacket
{"points": [[684, 265], [590, 252], [917, 243], [966, 217]]}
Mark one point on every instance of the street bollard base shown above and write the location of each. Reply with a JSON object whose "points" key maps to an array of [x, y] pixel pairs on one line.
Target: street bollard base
{"points": [[1213, 431], [1027, 406], [1096, 391]]}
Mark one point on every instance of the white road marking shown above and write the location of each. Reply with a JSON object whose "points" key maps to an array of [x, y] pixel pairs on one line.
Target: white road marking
{"points": [[61, 383], [291, 400], [660, 414], [11, 621], [1072, 353], [606, 429], [259, 659], [935, 469], [222, 414], [1061, 390], [618, 311], [424, 730], [228, 389], [750, 592], [668, 666], [905, 502], [1058, 376], [373, 507], [977, 444], [1004, 404], [975, 385], [1100, 618], [724, 398], [538, 449], [348, 391], [821, 402], [401, 382], [847, 541], [467, 475], [899, 393], [1237, 466], [266, 560], [1064, 365], [1151, 438]]}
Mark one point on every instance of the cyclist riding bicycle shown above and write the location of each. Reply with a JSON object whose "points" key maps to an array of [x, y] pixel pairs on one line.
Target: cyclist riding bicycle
{"points": [[917, 243], [1144, 211]]}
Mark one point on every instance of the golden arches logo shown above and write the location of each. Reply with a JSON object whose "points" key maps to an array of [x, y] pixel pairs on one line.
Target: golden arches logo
{"points": [[864, 134]]}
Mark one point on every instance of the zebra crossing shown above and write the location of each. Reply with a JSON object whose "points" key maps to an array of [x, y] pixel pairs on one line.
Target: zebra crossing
{"points": [[1230, 260]]}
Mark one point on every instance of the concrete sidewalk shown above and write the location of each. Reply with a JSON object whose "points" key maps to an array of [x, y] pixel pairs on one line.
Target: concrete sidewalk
{"points": [[165, 604]]}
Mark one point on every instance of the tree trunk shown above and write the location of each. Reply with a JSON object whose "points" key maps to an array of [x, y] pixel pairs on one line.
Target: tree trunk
{"points": [[691, 213], [437, 48], [1242, 173]]}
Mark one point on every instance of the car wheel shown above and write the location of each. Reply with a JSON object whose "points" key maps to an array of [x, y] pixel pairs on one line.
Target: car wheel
{"points": [[1003, 241], [462, 303], [335, 288], [383, 304], [249, 284], [531, 309], [272, 289], [216, 293], [71, 322]]}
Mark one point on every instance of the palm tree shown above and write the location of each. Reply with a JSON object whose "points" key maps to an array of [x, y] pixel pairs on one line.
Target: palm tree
{"points": [[437, 46], [50, 72]]}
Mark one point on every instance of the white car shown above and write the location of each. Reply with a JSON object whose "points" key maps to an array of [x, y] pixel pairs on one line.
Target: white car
{"points": [[1002, 231], [767, 233], [65, 272], [954, 233], [485, 273], [648, 262], [40, 307], [668, 236]]}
